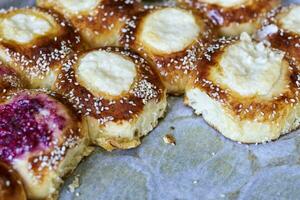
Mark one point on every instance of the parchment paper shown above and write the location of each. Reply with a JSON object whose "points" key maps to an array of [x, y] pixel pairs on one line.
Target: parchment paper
{"points": [[202, 165]]}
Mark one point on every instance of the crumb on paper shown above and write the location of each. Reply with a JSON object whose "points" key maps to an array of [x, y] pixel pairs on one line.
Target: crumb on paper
{"points": [[7, 183], [169, 139], [75, 184]]}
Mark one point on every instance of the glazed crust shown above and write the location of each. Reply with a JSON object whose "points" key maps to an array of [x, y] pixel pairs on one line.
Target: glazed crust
{"points": [[44, 54], [252, 11], [173, 68], [45, 167], [283, 39], [11, 187], [102, 25], [101, 108], [252, 108]]}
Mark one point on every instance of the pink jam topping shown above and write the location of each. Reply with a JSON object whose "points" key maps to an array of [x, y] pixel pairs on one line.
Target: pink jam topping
{"points": [[28, 124]]}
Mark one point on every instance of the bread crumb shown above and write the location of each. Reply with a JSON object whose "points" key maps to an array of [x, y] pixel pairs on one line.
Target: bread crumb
{"points": [[7, 183], [169, 139], [75, 184]]}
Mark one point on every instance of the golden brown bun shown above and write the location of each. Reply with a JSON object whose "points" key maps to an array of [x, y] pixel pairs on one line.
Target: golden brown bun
{"points": [[34, 42], [172, 58], [235, 19], [100, 25], [249, 93], [281, 31], [116, 120], [11, 187], [45, 140]]}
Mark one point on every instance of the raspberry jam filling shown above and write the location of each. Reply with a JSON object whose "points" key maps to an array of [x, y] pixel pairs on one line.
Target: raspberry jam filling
{"points": [[28, 124]]}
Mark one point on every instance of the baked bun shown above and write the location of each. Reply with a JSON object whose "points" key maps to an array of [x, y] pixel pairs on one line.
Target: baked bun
{"points": [[170, 38], [99, 21], [233, 17], [282, 29], [35, 42], [119, 94], [246, 90], [42, 139], [11, 187]]}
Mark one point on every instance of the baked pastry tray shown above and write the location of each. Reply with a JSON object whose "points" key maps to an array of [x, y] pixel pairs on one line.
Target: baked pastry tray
{"points": [[202, 164]]}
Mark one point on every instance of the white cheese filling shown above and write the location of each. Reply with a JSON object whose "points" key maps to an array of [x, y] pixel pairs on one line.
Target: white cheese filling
{"points": [[250, 68], [105, 72], [226, 3], [169, 30], [76, 6], [23, 28], [291, 21]]}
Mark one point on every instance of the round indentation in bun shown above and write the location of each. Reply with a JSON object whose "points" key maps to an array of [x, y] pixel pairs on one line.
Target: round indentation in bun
{"points": [[282, 30], [39, 59], [245, 63], [169, 30], [226, 3], [106, 73], [171, 38], [23, 26], [77, 6], [290, 20], [232, 17], [11, 187], [118, 121]]}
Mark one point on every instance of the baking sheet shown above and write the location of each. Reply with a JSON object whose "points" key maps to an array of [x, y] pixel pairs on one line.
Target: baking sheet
{"points": [[202, 165]]}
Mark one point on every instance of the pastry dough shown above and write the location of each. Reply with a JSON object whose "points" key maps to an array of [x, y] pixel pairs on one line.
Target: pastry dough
{"points": [[11, 186], [117, 91], [42, 139], [232, 17], [170, 38], [99, 21], [35, 42], [282, 30], [246, 90], [290, 19], [22, 28]]}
